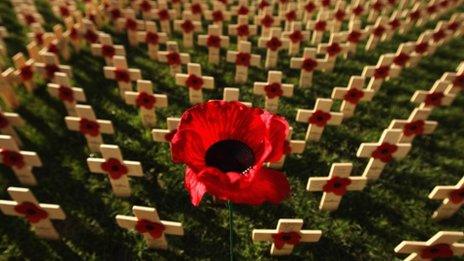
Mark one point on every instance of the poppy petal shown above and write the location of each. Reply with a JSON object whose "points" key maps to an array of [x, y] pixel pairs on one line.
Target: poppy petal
{"points": [[194, 187]]}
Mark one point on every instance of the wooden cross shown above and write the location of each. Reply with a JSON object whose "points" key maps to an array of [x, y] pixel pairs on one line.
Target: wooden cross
{"points": [[332, 50], [394, 25], [146, 101], [291, 14], [273, 43], [307, 65], [376, 8], [378, 31], [40, 216], [107, 49], [214, 41], [434, 97], [89, 32], [243, 8], [38, 35], [319, 26], [50, 66], [233, 94], [452, 199], [296, 36], [291, 147], [148, 223], [242, 30], [7, 93], [267, 22], [87, 123], [63, 9], [318, 118], [442, 245], [122, 74], [272, 90], [152, 38], [243, 58], [8, 122], [380, 72], [165, 135], [173, 57], [197, 8], [131, 25], [195, 82], [218, 15], [61, 88], [28, 15], [380, 153], [145, 7], [20, 162], [164, 15], [117, 169], [339, 14], [188, 26], [286, 236], [402, 57], [352, 95], [61, 42], [24, 71], [455, 80], [73, 33], [354, 35], [415, 125], [336, 185], [413, 17]]}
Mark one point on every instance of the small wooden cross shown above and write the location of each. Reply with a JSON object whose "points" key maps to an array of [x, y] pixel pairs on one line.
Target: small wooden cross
{"points": [[145, 7], [291, 147], [442, 245], [164, 15], [195, 82], [152, 38], [243, 8], [332, 50], [319, 26], [273, 43], [415, 125], [413, 17], [352, 95], [73, 33], [24, 71], [452, 199], [402, 57], [272, 90], [214, 41], [296, 37], [318, 118], [148, 223], [307, 65], [89, 32], [395, 23], [197, 8], [218, 15], [290, 14], [267, 22], [28, 15], [378, 31], [7, 78], [233, 94], [122, 74], [336, 185], [61, 88], [131, 25], [107, 49], [455, 80], [165, 135], [339, 14], [242, 30], [380, 153], [38, 35], [40, 216], [8, 122], [173, 57], [354, 35], [188, 26], [20, 162], [63, 9], [117, 169], [434, 97], [376, 8], [87, 123], [286, 236], [243, 58], [146, 101], [50, 66], [380, 72], [61, 42]]}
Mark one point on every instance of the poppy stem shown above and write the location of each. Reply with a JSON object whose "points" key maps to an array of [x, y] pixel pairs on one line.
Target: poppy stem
{"points": [[231, 227]]}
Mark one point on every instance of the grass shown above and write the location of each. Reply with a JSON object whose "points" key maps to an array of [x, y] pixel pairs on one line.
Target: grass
{"points": [[367, 226]]}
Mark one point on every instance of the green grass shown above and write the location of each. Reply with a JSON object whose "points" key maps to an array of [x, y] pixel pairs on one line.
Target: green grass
{"points": [[367, 226]]}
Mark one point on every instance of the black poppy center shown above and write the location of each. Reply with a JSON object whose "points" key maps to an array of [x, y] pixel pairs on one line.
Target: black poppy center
{"points": [[230, 155], [149, 227], [31, 212], [337, 184], [434, 250], [286, 237], [115, 168]]}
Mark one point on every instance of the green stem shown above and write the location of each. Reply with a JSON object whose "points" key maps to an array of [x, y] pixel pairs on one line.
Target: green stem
{"points": [[231, 227]]}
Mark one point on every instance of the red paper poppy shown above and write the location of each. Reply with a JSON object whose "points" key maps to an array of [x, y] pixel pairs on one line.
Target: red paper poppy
{"points": [[319, 118], [437, 251], [354, 37], [168, 137], [457, 196], [145, 100], [187, 26], [434, 99], [459, 81], [90, 36], [196, 9], [401, 59], [12, 158], [26, 73], [173, 58], [218, 16], [414, 128], [325, 3], [74, 34], [64, 11], [290, 16], [382, 72], [267, 21], [353, 96], [155, 229], [263, 4], [89, 127], [333, 49], [65, 93], [29, 19], [224, 145], [394, 24], [152, 38], [115, 13], [415, 15], [213, 41], [108, 50], [431, 9], [337, 185], [31, 212], [378, 31], [309, 64], [243, 10], [309, 7], [274, 44], [358, 10], [243, 30], [384, 152], [145, 6], [3, 121], [52, 48], [114, 167], [453, 26], [438, 36], [340, 15], [243, 59], [50, 70], [131, 24], [194, 82], [320, 26], [273, 90], [421, 47], [289, 238], [163, 15], [444, 3], [377, 6], [121, 75], [296, 36]]}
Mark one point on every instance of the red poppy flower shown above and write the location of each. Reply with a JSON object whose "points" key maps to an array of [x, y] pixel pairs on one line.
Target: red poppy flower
{"points": [[65, 93], [145, 100], [131, 24], [309, 64], [444, 3], [296, 36], [31, 212], [152, 38], [434, 99], [401, 59], [224, 145], [121, 75], [213, 41], [421, 47], [12, 158], [457, 196], [26, 73], [90, 36], [319, 118], [115, 13], [196, 9], [459, 80], [340, 15], [114, 167], [64, 11], [243, 30], [394, 24], [320, 26], [267, 21], [89, 127], [414, 128], [325, 3], [243, 10], [289, 238], [274, 44], [263, 4], [145, 6], [187, 26], [378, 31], [415, 15], [309, 7], [243, 59], [163, 15], [358, 10], [50, 70], [168, 137], [29, 19], [439, 35], [290, 16], [218, 16], [382, 72], [453, 26], [3, 121], [173, 58], [353, 96], [431, 9], [333, 49], [377, 6], [155, 229], [437, 251], [52, 48], [337, 186], [74, 34], [384, 152], [354, 37], [108, 50], [273, 90], [194, 82]]}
